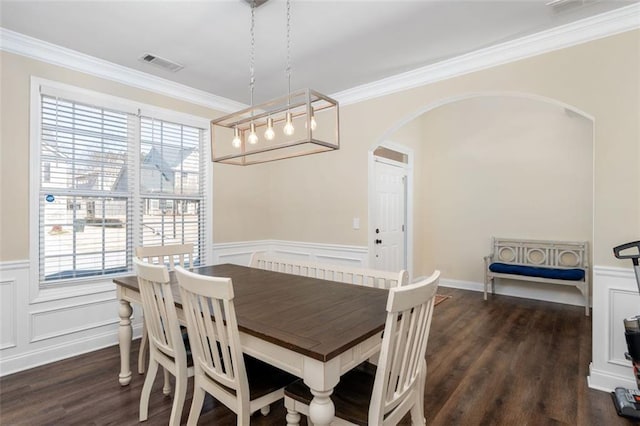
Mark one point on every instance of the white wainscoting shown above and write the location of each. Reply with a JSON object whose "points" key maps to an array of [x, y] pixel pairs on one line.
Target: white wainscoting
{"points": [[240, 253], [40, 330], [8, 303], [37, 329], [615, 297]]}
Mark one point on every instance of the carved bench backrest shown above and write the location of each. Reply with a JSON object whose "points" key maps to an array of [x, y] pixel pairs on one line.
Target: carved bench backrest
{"points": [[340, 273], [550, 254]]}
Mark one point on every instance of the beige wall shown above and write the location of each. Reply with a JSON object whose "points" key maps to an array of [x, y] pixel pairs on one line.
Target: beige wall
{"points": [[502, 166], [241, 203], [232, 223], [315, 198], [599, 78]]}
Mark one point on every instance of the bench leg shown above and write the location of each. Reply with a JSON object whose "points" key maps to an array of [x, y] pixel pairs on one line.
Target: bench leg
{"points": [[489, 281], [584, 289], [486, 284]]}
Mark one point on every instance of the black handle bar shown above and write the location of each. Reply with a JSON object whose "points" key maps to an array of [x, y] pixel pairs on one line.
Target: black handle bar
{"points": [[633, 256]]}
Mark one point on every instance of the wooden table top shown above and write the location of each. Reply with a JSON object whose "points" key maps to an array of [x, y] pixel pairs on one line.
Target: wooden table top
{"points": [[314, 317]]}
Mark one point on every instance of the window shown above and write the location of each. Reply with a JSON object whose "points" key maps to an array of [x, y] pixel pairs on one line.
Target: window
{"points": [[111, 179], [170, 182]]}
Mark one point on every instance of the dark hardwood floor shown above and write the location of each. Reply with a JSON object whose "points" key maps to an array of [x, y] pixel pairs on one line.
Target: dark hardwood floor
{"points": [[507, 361]]}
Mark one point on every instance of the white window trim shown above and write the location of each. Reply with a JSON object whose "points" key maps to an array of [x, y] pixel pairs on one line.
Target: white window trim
{"points": [[100, 284]]}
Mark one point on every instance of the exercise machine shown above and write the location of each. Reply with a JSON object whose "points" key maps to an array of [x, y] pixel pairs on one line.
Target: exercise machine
{"points": [[627, 401]]}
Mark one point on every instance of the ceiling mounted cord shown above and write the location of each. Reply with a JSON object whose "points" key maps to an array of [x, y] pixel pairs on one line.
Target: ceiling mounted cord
{"points": [[288, 128], [253, 137], [300, 107]]}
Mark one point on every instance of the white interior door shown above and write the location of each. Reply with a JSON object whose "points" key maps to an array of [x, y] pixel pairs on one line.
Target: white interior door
{"points": [[390, 213]]}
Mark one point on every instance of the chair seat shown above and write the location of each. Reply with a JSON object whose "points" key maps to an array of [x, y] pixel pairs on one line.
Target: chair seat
{"points": [[351, 396], [265, 378]]}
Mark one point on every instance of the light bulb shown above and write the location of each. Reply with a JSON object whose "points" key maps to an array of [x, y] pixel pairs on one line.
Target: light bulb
{"points": [[288, 127], [236, 142], [312, 120], [253, 138], [269, 133]]}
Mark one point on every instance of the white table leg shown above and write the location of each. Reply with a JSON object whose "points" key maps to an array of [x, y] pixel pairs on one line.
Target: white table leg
{"points": [[125, 333], [293, 418], [321, 408]]}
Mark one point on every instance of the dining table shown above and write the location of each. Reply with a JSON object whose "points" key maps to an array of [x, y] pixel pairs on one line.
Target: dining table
{"points": [[312, 328]]}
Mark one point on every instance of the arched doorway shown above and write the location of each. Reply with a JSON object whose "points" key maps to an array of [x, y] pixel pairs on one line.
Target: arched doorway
{"points": [[507, 169]]}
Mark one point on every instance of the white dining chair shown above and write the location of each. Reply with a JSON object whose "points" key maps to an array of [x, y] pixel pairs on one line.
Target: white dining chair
{"points": [[242, 383], [166, 345], [382, 396], [169, 255]]}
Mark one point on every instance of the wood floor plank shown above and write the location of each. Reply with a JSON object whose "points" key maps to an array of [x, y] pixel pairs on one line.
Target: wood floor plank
{"points": [[504, 361]]}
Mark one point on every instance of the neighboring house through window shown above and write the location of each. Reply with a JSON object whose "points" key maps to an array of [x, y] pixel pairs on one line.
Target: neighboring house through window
{"points": [[114, 174]]}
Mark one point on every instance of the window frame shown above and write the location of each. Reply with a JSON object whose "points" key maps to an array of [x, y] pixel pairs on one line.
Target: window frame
{"points": [[98, 284]]}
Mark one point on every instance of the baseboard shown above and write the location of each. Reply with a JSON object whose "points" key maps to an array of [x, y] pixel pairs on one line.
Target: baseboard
{"points": [[48, 354], [527, 290], [607, 381]]}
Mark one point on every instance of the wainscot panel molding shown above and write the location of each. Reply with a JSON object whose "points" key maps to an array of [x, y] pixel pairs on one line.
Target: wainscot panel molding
{"points": [[615, 297], [8, 325], [63, 320], [540, 291], [43, 330], [240, 252]]}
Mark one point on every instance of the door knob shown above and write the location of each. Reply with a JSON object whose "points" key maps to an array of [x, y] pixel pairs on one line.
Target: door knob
{"points": [[378, 241]]}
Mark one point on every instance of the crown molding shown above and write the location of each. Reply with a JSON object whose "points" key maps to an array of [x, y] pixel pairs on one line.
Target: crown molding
{"points": [[606, 24], [599, 26], [30, 47]]}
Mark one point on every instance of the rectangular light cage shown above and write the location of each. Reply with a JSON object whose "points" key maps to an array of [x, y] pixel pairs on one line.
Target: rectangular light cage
{"points": [[313, 117]]}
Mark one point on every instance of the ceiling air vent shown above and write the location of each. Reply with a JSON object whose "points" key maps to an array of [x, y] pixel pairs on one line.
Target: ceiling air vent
{"points": [[161, 62]]}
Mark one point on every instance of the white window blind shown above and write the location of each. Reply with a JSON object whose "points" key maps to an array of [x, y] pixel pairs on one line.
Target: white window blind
{"points": [[171, 189], [93, 209]]}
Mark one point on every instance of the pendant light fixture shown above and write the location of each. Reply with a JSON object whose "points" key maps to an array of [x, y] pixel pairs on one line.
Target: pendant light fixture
{"points": [[300, 123]]}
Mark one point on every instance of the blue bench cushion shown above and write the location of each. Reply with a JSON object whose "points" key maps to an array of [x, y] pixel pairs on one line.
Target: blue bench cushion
{"points": [[534, 271]]}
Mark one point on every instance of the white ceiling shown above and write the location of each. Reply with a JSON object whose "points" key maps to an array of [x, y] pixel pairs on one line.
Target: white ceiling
{"points": [[336, 45]]}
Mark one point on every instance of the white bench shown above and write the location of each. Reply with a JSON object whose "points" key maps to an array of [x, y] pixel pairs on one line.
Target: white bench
{"points": [[341, 273], [553, 262]]}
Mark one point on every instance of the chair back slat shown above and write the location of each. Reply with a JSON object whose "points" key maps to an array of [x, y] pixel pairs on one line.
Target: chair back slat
{"points": [[170, 255], [340, 273], [159, 309], [213, 331], [402, 356]]}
